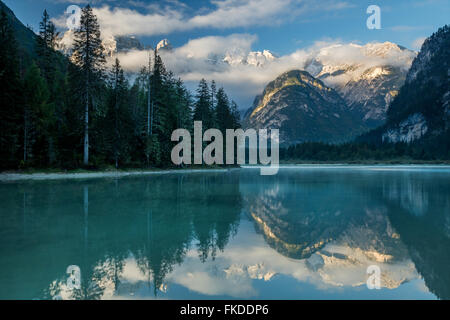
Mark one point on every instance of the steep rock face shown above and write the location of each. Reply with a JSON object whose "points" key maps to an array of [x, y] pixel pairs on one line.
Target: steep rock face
{"points": [[410, 129], [422, 106], [125, 44], [304, 109], [371, 95]]}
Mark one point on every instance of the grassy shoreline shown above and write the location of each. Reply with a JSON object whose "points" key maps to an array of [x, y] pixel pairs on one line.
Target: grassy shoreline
{"points": [[56, 174]]}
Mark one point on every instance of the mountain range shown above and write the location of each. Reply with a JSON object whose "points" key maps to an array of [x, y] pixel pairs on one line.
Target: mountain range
{"points": [[341, 91], [366, 79], [362, 90]]}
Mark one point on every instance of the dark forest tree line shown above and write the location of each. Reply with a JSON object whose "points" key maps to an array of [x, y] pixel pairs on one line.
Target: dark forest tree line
{"points": [[71, 112], [428, 149]]}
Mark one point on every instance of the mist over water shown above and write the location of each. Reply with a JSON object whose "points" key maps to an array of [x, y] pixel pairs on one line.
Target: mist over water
{"points": [[306, 233]]}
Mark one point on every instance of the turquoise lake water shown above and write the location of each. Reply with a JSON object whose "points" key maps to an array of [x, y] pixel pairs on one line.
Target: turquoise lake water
{"points": [[309, 232]]}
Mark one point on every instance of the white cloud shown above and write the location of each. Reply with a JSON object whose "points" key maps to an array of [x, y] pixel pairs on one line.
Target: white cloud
{"points": [[203, 58], [171, 16], [238, 13], [417, 44]]}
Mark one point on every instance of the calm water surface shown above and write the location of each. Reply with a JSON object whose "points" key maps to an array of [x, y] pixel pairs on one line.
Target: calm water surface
{"points": [[307, 233]]}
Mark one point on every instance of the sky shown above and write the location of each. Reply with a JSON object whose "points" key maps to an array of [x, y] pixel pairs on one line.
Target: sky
{"points": [[200, 28]]}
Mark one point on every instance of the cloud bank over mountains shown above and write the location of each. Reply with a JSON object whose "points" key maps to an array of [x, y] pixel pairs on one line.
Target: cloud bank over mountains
{"points": [[232, 63], [230, 59], [243, 72]]}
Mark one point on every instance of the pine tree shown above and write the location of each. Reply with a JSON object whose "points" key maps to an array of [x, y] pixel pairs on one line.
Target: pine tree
{"points": [[149, 98], [158, 111], [48, 65], [184, 111], [10, 93], [37, 117], [138, 101], [158, 79], [203, 109], [61, 99], [88, 55], [118, 114], [223, 112], [213, 94], [236, 115], [46, 44]]}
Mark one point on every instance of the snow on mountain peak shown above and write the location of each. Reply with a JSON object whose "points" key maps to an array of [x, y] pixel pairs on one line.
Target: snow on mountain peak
{"points": [[381, 49], [253, 58], [339, 63], [110, 46], [258, 58], [164, 45]]}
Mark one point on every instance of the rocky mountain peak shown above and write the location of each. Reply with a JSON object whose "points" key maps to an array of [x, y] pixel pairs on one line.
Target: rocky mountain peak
{"points": [[253, 58], [303, 108], [111, 44], [164, 45], [382, 49]]}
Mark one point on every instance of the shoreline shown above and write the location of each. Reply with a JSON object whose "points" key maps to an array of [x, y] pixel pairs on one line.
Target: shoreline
{"points": [[38, 176], [13, 176]]}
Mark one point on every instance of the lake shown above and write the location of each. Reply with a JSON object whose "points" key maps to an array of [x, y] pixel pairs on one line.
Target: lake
{"points": [[310, 232]]}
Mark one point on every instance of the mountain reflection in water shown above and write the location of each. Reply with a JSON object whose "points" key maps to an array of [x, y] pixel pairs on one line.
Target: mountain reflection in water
{"points": [[304, 233]]}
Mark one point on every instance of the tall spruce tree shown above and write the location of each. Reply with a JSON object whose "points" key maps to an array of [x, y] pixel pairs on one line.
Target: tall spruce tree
{"points": [[139, 114], [224, 117], [236, 115], [118, 113], [10, 94], [213, 94], [46, 44], [149, 97], [37, 117], [88, 55], [203, 109], [158, 110], [184, 103]]}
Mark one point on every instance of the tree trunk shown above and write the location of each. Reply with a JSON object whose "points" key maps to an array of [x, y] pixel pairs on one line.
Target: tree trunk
{"points": [[149, 103], [148, 108], [86, 130], [116, 146], [25, 137]]}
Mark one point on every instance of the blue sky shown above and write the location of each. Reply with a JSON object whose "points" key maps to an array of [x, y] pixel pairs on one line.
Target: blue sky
{"points": [[297, 24]]}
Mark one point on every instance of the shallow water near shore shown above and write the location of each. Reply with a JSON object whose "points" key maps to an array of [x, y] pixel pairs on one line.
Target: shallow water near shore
{"points": [[309, 232]]}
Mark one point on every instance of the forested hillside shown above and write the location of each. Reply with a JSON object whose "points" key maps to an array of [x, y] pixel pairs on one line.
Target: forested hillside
{"points": [[76, 111]]}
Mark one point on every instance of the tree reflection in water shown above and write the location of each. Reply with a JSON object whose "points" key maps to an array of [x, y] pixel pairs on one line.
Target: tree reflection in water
{"points": [[128, 235], [153, 220]]}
